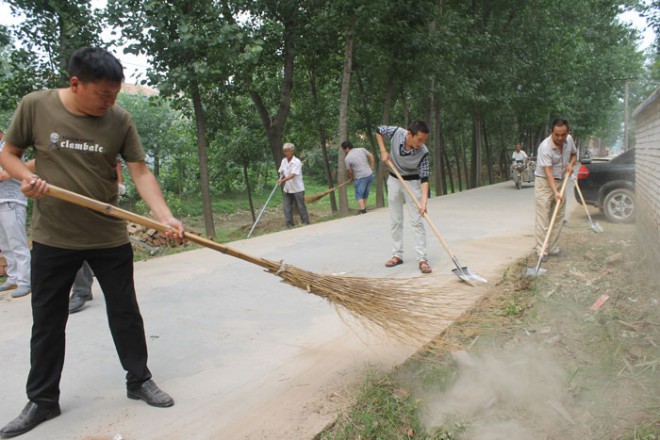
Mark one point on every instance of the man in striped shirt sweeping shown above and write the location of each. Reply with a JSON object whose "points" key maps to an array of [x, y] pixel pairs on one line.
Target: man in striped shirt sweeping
{"points": [[410, 157]]}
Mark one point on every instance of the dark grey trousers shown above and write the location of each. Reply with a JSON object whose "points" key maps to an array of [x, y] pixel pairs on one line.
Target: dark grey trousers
{"points": [[299, 199]]}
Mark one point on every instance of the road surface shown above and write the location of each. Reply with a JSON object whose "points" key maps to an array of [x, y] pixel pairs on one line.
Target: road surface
{"points": [[244, 355]]}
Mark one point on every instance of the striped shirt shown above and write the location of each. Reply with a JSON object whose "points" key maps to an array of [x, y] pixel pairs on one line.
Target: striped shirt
{"points": [[397, 136]]}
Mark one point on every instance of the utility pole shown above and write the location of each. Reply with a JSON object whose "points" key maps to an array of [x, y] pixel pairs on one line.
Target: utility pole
{"points": [[626, 125], [625, 115]]}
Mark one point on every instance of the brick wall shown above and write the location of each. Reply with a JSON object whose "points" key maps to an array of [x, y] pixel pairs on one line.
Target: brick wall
{"points": [[647, 173]]}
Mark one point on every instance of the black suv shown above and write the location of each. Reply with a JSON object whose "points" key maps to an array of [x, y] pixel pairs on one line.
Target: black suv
{"points": [[610, 186]]}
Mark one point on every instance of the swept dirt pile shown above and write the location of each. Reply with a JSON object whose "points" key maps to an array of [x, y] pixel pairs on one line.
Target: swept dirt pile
{"points": [[543, 358]]}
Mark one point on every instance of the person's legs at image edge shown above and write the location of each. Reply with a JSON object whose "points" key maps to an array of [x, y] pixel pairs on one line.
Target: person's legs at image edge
{"points": [[11, 276], [53, 271], [14, 244]]}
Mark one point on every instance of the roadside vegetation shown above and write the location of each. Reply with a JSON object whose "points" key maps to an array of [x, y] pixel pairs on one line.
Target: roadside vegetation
{"points": [[532, 359]]}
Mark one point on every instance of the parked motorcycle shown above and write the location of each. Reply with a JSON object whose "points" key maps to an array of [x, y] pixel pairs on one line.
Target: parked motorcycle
{"points": [[522, 171]]}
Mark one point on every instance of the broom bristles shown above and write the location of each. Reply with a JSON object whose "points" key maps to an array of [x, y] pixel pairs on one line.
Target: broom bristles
{"points": [[405, 311], [316, 197], [403, 308]]}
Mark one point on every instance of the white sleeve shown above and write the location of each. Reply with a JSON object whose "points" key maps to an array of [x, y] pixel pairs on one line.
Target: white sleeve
{"points": [[544, 159], [296, 168]]}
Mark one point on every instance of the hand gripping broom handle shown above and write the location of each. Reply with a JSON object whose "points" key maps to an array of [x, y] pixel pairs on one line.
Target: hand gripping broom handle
{"points": [[426, 216], [113, 211]]}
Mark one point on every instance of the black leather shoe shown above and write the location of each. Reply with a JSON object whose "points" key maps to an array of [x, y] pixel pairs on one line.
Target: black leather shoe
{"points": [[30, 417], [150, 393], [77, 302]]}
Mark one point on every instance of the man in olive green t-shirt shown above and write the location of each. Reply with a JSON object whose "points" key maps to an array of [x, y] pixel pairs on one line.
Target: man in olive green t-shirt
{"points": [[77, 133]]}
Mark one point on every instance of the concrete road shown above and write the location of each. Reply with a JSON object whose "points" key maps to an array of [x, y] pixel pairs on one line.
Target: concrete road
{"points": [[244, 355]]}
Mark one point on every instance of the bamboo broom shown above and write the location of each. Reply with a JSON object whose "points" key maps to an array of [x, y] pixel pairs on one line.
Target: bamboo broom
{"points": [[393, 305], [316, 197]]}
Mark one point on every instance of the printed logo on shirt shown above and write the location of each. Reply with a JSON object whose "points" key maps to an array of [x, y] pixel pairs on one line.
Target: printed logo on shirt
{"points": [[58, 141]]}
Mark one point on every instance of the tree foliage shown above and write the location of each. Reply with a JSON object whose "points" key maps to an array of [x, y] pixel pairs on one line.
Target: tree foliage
{"points": [[238, 78], [53, 30]]}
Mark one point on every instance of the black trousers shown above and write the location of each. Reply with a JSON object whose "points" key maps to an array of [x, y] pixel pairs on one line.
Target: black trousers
{"points": [[53, 272]]}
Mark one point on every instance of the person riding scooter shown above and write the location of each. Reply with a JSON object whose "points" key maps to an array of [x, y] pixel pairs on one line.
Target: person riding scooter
{"points": [[519, 155], [518, 165]]}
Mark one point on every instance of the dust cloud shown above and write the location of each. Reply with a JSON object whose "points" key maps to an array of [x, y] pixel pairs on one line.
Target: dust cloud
{"points": [[505, 395]]}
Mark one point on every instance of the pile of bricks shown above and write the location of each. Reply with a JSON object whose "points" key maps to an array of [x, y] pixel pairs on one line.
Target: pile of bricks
{"points": [[151, 237]]}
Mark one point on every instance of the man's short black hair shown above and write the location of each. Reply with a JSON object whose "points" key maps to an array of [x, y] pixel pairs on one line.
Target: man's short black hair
{"points": [[417, 126], [91, 64], [559, 122], [347, 144]]}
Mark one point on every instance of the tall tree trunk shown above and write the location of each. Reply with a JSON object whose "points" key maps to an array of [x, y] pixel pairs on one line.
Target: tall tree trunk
{"points": [[382, 167], [180, 166], [504, 162], [449, 172], [439, 151], [457, 155], [249, 191], [203, 160], [465, 161], [489, 155], [475, 169], [156, 163], [274, 126], [342, 174], [364, 110], [318, 113], [406, 108], [538, 138]]}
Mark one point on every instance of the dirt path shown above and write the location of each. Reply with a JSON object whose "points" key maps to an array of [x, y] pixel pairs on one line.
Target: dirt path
{"points": [[571, 355]]}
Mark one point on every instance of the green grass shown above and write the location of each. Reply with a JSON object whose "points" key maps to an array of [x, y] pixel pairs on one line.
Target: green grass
{"points": [[383, 410], [227, 203]]}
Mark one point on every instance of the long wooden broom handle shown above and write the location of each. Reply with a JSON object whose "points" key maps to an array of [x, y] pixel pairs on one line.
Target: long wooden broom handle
{"points": [[113, 211], [554, 216], [334, 188], [586, 210], [419, 206]]}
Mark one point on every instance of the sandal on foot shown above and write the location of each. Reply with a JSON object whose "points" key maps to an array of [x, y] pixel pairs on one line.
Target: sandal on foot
{"points": [[394, 261], [424, 266]]}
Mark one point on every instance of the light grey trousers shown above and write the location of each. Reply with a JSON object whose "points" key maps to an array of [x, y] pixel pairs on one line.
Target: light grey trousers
{"points": [[14, 243], [396, 196]]}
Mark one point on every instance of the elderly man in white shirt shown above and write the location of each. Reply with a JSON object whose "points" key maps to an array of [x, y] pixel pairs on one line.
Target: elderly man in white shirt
{"points": [[293, 187], [556, 157]]}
